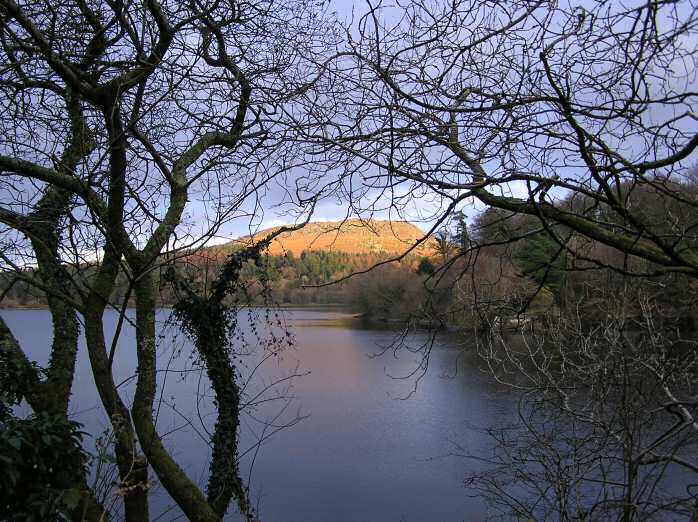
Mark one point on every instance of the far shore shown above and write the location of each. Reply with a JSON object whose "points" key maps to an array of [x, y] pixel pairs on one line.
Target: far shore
{"points": [[167, 306]]}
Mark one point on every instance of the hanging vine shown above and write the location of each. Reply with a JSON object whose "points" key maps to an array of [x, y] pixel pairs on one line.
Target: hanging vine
{"points": [[210, 320]]}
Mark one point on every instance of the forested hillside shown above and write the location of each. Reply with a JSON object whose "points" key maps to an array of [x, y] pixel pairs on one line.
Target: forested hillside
{"points": [[351, 236], [289, 272]]}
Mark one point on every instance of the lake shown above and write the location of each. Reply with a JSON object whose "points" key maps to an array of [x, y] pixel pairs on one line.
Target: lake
{"points": [[360, 445]]}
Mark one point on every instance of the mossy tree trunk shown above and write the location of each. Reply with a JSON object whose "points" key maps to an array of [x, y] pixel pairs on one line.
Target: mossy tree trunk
{"points": [[185, 492]]}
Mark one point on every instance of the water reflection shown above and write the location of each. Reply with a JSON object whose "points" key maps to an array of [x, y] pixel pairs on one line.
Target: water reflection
{"points": [[359, 453]]}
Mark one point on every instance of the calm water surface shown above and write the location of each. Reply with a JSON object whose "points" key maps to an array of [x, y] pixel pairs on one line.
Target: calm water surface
{"points": [[361, 451]]}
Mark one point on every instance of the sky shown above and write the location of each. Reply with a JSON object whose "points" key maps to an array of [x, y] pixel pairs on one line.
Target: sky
{"points": [[327, 209], [330, 209]]}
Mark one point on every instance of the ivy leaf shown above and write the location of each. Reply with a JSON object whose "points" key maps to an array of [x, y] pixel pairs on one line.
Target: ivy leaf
{"points": [[71, 498]]}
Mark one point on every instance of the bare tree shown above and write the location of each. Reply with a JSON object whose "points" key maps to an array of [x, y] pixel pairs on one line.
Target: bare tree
{"points": [[118, 117], [606, 424], [520, 106], [577, 126]]}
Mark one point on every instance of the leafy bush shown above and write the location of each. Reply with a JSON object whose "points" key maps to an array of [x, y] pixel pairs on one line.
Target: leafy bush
{"points": [[41, 462]]}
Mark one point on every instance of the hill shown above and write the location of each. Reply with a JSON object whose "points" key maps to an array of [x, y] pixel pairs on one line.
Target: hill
{"points": [[322, 252], [352, 236]]}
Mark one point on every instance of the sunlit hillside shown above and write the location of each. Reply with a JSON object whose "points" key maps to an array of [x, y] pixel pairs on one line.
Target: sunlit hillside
{"points": [[350, 236]]}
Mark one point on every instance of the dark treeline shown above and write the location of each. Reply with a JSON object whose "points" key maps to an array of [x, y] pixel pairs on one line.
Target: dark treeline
{"points": [[287, 279], [525, 265], [505, 267], [303, 279], [501, 265]]}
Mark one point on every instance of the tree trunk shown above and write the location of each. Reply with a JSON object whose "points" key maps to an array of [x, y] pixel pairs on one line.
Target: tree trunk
{"points": [[185, 492], [133, 469]]}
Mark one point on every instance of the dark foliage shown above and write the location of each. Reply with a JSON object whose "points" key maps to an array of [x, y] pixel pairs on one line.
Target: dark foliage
{"points": [[41, 463]]}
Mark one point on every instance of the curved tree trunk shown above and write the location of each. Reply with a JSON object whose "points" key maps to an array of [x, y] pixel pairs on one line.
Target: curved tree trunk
{"points": [[43, 230], [185, 492], [133, 469], [224, 480]]}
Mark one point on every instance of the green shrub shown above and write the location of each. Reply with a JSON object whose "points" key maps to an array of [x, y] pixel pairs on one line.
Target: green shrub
{"points": [[41, 462]]}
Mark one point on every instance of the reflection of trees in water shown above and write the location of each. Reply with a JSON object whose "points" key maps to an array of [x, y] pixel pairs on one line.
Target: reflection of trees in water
{"points": [[606, 426]]}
